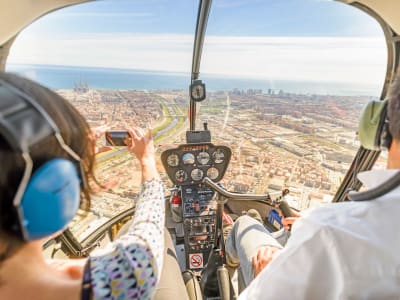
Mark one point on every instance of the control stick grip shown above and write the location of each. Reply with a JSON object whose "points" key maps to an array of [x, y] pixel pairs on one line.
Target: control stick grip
{"points": [[285, 208]]}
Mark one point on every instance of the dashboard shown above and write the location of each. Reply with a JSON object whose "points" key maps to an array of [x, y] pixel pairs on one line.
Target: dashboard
{"points": [[190, 163], [187, 166]]}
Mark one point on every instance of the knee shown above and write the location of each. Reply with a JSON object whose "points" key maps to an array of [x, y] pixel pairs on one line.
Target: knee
{"points": [[245, 220]]}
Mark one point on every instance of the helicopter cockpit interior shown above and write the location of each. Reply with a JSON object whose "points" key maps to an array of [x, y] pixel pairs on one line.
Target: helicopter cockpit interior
{"points": [[244, 144]]}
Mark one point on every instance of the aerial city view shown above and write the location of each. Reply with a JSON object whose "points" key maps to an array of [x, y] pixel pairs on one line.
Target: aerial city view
{"points": [[284, 94], [279, 140]]}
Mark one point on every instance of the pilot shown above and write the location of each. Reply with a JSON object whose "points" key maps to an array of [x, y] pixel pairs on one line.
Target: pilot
{"points": [[347, 250], [47, 164]]}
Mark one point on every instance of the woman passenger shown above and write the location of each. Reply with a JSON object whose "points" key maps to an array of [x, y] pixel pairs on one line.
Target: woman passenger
{"points": [[128, 268]]}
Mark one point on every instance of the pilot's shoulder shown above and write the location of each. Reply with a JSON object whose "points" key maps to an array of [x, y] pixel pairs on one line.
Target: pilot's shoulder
{"points": [[345, 219], [337, 212], [332, 216]]}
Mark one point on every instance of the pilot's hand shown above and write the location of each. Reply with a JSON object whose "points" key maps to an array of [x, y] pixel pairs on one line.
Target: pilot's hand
{"points": [[263, 257], [288, 221]]}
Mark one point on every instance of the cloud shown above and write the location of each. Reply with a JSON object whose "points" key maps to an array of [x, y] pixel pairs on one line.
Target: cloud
{"points": [[337, 59], [361, 60]]}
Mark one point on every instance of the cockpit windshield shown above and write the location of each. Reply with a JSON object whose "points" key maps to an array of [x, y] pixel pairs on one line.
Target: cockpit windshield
{"points": [[286, 81]]}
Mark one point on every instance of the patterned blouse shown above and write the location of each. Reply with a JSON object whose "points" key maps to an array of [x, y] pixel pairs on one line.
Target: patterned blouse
{"points": [[130, 267]]}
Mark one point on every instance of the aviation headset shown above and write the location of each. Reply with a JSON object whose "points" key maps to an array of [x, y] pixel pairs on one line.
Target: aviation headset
{"points": [[373, 131], [47, 200], [373, 128]]}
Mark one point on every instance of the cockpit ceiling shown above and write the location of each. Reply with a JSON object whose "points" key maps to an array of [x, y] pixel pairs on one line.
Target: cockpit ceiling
{"points": [[17, 14], [388, 10]]}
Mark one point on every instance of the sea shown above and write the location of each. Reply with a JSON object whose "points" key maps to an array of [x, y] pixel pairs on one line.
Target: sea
{"points": [[65, 77]]}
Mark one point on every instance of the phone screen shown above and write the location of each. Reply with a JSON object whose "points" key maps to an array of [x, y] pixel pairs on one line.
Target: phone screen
{"points": [[118, 138]]}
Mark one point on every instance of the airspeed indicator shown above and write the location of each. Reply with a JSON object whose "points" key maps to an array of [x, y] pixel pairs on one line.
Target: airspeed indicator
{"points": [[173, 160]]}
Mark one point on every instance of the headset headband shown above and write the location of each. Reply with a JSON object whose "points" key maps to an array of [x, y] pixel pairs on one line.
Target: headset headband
{"points": [[23, 124]]}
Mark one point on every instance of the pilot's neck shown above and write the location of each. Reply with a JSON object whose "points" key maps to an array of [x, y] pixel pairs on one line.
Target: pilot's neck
{"points": [[393, 161]]}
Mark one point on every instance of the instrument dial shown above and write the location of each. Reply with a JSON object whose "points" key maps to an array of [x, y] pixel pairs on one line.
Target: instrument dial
{"points": [[180, 176], [188, 159], [203, 158], [218, 156], [196, 174], [173, 160], [198, 90], [212, 173]]}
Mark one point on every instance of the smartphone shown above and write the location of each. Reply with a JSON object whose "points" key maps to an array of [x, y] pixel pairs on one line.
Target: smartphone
{"points": [[117, 138]]}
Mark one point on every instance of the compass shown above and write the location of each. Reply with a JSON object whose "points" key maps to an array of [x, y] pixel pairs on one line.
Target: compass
{"points": [[198, 90]]}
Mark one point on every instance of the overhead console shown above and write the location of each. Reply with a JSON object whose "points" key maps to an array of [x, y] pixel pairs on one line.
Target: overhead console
{"points": [[193, 202]]}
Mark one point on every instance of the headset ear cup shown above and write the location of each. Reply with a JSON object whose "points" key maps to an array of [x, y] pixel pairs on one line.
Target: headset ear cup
{"points": [[372, 125], [51, 199]]}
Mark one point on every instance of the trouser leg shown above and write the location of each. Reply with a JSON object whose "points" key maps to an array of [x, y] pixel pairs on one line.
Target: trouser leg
{"points": [[171, 285], [281, 236], [246, 237]]}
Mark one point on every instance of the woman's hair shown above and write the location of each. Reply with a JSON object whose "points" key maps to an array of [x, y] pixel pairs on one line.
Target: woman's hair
{"points": [[76, 134]]}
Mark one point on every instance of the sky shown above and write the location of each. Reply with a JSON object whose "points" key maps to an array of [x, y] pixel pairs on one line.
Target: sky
{"points": [[316, 40]]}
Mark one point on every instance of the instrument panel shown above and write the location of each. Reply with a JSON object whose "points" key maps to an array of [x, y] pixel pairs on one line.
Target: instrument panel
{"points": [[190, 163]]}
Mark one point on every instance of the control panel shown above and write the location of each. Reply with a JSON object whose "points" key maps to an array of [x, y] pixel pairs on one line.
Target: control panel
{"points": [[197, 201], [193, 203]]}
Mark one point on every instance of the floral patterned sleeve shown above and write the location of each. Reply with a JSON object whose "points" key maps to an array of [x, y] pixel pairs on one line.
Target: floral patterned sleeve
{"points": [[130, 267]]}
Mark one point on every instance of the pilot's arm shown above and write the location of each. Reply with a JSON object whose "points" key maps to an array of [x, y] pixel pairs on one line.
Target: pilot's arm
{"points": [[331, 254], [302, 270]]}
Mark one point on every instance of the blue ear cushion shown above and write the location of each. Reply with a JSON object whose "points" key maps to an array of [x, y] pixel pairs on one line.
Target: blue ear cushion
{"points": [[51, 198]]}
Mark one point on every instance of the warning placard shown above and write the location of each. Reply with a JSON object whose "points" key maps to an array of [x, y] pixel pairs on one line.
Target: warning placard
{"points": [[196, 260]]}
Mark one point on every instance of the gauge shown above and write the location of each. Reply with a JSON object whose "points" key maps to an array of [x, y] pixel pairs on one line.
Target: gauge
{"points": [[198, 90], [203, 158], [212, 173], [180, 176], [173, 160], [196, 174], [188, 159], [218, 156]]}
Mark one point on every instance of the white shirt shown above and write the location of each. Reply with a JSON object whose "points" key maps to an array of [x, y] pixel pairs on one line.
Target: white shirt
{"points": [[347, 250]]}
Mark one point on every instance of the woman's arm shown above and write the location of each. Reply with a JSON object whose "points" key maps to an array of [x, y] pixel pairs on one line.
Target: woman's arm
{"points": [[130, 267]]}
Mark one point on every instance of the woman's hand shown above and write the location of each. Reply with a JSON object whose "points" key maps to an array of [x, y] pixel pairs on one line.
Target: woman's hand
{"points": [[142, 147], [98, 132]]}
